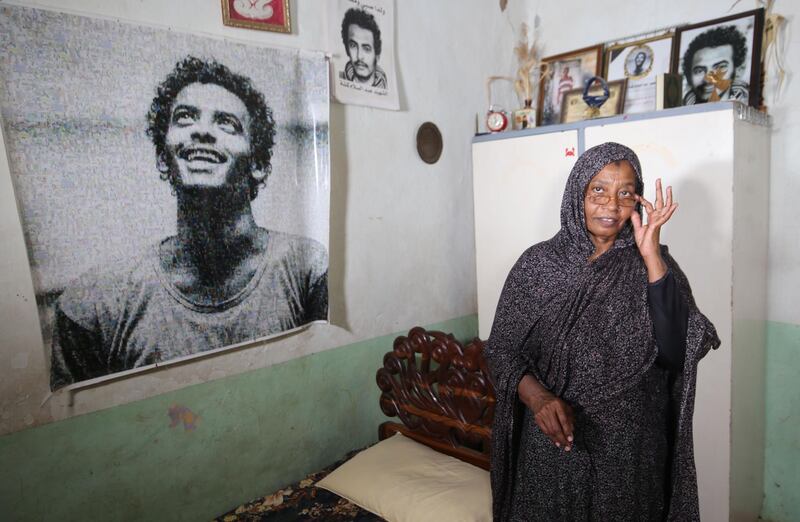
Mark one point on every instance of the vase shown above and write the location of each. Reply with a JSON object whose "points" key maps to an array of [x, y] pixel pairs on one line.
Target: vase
{"points": [[525, 118]]}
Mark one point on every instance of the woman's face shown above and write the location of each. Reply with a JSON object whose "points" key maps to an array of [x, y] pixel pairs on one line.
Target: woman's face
{"points": [[609, 201]]}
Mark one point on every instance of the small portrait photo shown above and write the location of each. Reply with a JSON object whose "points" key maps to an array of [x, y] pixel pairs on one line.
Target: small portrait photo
{"points": [[363, 56], [639, 62], [361, 37], [721, 59], [566, 76], [565, 72]]}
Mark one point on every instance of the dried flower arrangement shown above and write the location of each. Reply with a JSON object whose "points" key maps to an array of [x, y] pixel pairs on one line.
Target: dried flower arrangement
{"points": [[529, 63]]}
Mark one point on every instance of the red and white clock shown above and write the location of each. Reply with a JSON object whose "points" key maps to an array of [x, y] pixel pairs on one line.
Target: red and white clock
{"points": [[496, 120]]}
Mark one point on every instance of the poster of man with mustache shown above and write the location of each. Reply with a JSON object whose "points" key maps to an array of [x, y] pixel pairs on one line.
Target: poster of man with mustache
{"points": [[363, 59]]}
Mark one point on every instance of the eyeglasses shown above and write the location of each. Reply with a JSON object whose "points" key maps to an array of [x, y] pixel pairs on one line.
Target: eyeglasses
{"points": [[603, 199]]}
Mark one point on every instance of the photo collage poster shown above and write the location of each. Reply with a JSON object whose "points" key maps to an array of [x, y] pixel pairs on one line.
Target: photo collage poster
{"points": [[173, 189]]}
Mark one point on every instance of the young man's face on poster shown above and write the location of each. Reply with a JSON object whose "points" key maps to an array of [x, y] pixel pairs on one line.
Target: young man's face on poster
{"points": [[208, 137]]}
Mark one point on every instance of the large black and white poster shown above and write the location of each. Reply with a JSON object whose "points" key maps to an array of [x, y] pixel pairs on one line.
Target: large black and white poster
{"points": [[362, 33], [173, 189]]}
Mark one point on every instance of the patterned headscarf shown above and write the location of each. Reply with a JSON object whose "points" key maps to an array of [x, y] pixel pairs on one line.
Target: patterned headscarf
{"points": [[573, 234]]}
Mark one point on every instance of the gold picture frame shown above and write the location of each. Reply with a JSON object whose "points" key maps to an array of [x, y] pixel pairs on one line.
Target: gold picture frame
{"points": [[611, 50], [573, 108], [558, 78], [262, 15], [622, 61]]}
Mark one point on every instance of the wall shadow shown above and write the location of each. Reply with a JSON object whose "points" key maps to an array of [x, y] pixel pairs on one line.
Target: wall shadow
{"points": [[337, 308]]}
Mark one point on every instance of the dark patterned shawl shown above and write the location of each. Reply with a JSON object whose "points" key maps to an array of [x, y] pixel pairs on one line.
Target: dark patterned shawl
{"points": [[584, 330]]}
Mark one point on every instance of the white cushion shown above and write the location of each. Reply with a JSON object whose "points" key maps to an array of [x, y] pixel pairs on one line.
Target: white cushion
{"points": [[405, 481]]}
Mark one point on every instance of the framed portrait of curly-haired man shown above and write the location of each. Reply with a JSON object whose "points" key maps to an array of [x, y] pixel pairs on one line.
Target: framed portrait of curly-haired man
{"points": [[174, 201], [721, 59]]}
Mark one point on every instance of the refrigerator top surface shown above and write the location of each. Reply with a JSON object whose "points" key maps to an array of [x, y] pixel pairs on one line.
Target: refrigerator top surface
{"points": [[742, 112]]}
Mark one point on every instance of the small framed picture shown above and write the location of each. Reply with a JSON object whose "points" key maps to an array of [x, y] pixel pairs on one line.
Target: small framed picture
{"points": [[639, 62], [565, 72], [262, 15], [721, 59], [573, 108]]}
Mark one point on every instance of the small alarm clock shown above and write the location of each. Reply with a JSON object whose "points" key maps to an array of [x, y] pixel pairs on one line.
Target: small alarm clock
{"points": [[496, 120]]}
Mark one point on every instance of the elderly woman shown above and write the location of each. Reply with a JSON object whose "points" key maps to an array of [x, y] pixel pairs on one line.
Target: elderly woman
{"points": [[594, 352]]}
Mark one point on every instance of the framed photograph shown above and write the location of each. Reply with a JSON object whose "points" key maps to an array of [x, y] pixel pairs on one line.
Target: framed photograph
{"points": [[639, 62], [573, 108], [566, 71], [721, 59], [262, 15]]}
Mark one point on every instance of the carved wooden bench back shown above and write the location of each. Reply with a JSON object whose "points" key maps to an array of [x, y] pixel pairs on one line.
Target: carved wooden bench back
{"points": [[442, 393]]}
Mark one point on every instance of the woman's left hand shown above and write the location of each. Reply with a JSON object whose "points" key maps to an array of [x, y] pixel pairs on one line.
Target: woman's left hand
{"points": [[648, 236]]}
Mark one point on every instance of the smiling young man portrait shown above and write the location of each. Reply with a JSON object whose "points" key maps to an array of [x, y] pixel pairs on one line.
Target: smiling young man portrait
{"points": [[221, 279]]}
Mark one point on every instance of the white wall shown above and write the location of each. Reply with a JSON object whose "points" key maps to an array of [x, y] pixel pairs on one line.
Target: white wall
{"points": [[402, 249], [572, 24], [401, 231]]}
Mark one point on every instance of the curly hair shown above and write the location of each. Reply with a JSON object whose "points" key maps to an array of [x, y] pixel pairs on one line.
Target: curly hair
{"points": [[194, 70], [363, 19], [718, 36]]}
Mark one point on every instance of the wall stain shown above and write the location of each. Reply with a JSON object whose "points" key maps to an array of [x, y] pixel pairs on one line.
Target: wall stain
{"points": [[182, 415]]}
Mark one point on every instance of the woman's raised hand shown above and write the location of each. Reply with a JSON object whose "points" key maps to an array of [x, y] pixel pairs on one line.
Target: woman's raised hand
{"points": [[648, 236]]}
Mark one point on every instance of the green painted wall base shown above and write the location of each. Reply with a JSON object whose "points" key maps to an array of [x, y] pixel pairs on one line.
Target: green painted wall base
{"points": [[258, 431], [782, 455], [233, 439]]}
